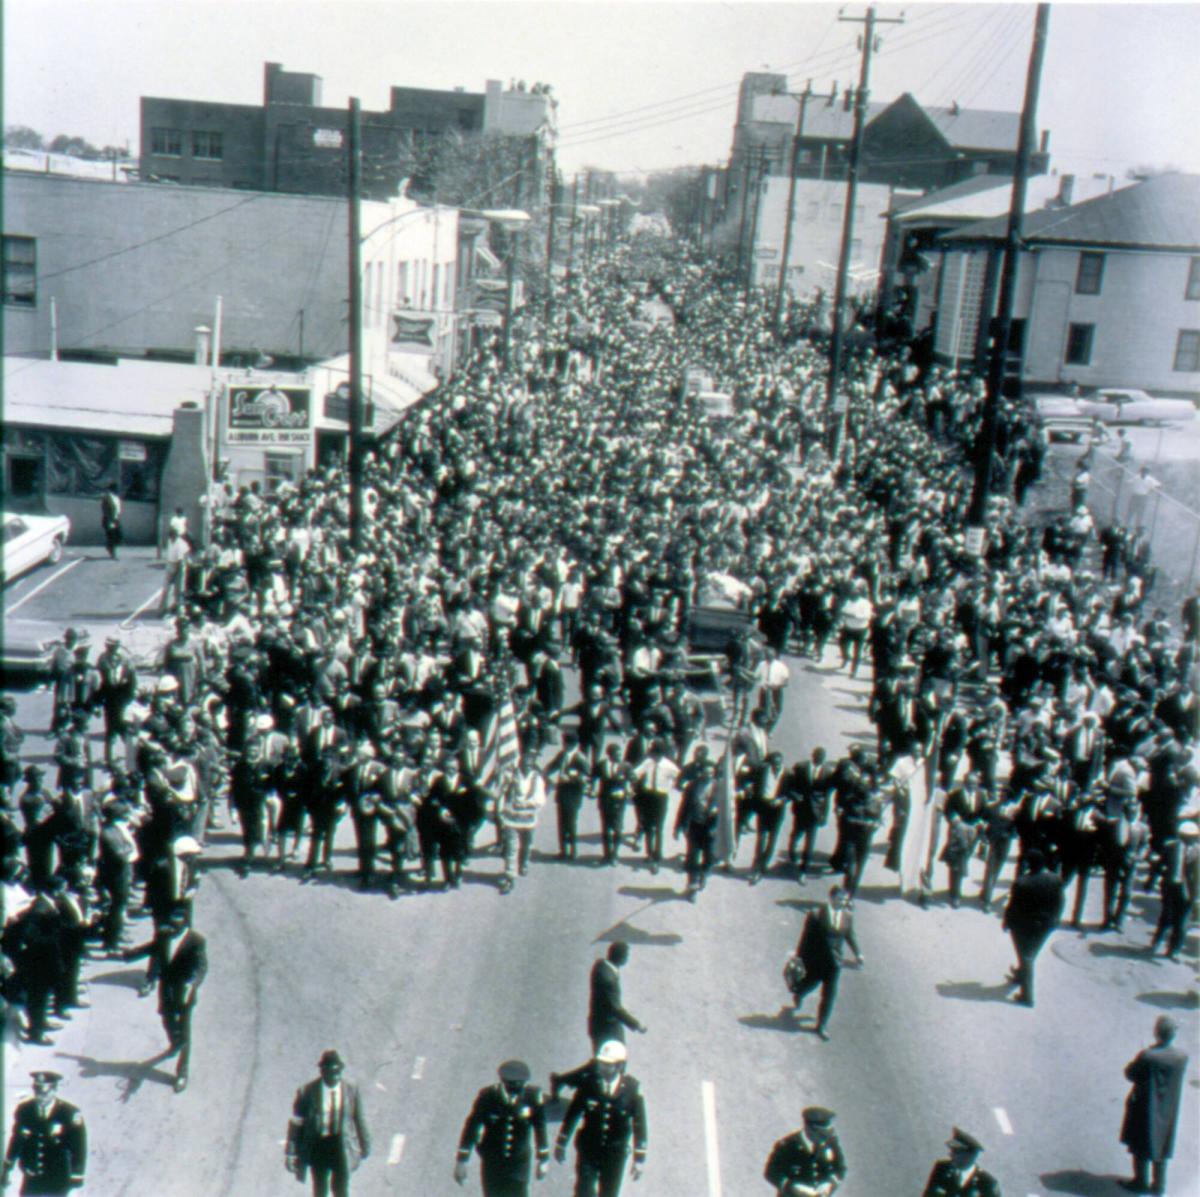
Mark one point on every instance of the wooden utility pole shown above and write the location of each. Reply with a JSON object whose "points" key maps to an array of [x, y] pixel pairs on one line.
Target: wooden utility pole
{"points": [[838, 406], [789, 215], [751, 153], [550, 244], [759, 175], [353, 190], [1001, 326]]}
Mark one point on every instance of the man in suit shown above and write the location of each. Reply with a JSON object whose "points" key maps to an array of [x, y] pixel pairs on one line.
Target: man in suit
{"points": [[809, 1162], [610, 1112], [179, 960], [612, 779], [698, 819], [1152, 1108], [1035, 906], [327, 1133], [827, 931], [807, 784], [506, 1126], [48, 1141], [607, 1017], [960, 1174]]}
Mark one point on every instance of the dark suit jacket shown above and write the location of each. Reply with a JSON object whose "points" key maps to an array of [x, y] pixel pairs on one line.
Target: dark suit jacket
{"points": [[1152, 1107], [607, 1018], [52, 1151], [304, 1128], [1035, 904], [506, 1133], [822, 943], [609, 1121]]}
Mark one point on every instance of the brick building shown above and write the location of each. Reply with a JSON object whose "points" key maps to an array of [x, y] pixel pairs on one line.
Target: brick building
{"points": [[292, 142]]}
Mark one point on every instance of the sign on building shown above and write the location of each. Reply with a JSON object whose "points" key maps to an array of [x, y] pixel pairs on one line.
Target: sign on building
{"points": [[268, 415], [327, 139], [414, 332], [337, 406]]}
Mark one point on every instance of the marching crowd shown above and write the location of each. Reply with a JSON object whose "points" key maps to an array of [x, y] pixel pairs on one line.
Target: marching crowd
{"points": [[569, 520]]}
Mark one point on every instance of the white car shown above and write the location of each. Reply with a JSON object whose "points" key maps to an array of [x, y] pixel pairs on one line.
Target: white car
{"points": [[1122, 405], [31, 539]]}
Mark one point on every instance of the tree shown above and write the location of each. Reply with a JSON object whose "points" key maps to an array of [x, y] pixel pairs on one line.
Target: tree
{"points": [[1139, 174], [22, 137]]}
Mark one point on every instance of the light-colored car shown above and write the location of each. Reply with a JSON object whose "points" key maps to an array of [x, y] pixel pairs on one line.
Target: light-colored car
{"points": [[31, 539], [1061, 416], [1122, 405]]}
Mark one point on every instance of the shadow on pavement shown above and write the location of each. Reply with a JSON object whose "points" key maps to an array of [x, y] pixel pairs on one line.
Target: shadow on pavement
{"points": [[1123, 951], [798, 903], [1081, 1184], [131, 1074], [651, 893], [1165, 1000], [878, 894], [973, 991], [780, 1021], [123, 978]]}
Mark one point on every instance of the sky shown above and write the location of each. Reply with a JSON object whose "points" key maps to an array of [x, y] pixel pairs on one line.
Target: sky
{"points": [[641, 85]]}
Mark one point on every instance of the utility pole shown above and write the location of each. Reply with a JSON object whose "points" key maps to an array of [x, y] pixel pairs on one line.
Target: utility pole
{"points": [[838, 406], [1001, 326], [550, 244], [751, 154], [789, 215], [354, 187], [571, 242]]}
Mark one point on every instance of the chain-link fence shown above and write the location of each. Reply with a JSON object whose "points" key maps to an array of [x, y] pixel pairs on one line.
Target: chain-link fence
{"points": [[1119, 494]]}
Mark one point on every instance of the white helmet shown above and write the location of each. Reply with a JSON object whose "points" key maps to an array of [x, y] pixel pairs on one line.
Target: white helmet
{"points": [[611, 1052]]}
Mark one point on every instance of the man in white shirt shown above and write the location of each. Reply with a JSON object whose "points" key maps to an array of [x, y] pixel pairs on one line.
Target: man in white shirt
{"points": [[772, 676], [655, 779]]}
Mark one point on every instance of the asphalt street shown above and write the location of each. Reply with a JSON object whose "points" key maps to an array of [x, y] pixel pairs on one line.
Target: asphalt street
{"points": [[425, 995]]}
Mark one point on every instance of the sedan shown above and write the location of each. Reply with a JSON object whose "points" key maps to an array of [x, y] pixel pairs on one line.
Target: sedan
{"points": [[31, 539], [1120, 405]]}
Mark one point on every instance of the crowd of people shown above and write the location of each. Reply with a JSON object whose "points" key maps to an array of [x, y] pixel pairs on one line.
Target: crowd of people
{"points": [[562, 523]]}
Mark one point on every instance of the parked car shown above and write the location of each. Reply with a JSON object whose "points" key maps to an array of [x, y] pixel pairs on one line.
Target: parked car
{"points": [[1122, 405], [1061, 416], [31, 539], [25, 650]]}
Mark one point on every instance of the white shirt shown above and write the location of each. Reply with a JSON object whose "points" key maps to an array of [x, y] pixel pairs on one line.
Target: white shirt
{"points": [[331, 1104]]}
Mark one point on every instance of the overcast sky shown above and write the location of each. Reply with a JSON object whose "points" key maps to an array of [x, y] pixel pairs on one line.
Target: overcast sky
{"points": [[640, 85]]}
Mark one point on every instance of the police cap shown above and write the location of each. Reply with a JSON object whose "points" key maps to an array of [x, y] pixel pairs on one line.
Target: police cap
{"points": [[819, 1116], [514, 1072], [47, 1076], [611, 1052], [960, 1141]]}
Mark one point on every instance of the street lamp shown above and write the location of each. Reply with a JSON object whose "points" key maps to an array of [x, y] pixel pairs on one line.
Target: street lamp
{"points": [[512, 220]]}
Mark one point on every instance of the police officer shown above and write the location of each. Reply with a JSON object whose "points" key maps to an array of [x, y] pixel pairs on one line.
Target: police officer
{"points": [[49, 1141], [809, 1162], [505, 1119], [960, 1175], [613, 1112]]}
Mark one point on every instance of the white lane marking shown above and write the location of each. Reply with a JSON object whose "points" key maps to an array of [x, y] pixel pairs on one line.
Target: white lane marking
{"points": [[397, 1150], [712, 1155], [381, 1086], [1002, 1118], [418, 1068], [58, 573], [154, 598]]}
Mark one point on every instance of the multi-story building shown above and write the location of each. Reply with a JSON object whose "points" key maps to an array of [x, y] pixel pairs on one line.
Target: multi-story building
{"points": [[1107, 294], [905, 144], [292, 142]]}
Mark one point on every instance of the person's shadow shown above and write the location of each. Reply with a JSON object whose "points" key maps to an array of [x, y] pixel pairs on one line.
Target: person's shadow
{"points": [[973, 991], [783, 1020], [130, 1074], [1082, 1184]]}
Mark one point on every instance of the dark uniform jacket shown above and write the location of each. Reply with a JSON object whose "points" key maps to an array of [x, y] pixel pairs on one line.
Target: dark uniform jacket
{"points": [[796, 1158], [51, 1151], [610, 1121], [505, 1132], [946, 1181]]}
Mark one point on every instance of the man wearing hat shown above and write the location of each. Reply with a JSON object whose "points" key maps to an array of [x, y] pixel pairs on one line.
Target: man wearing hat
{"points": [[505, 1121], [809, 1162], [610, 1112], [49, 1141], [327, 1133], [960, 1175]]}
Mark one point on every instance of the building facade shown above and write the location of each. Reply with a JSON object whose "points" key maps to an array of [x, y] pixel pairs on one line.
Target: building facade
{"points": [[292, 142], [817, 212], [1108, 290]]}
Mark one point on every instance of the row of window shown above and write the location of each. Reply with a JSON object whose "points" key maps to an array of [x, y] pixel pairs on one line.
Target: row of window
{"points": [[1089, 277], [1081, 340], [417, 286], [205, 143]]}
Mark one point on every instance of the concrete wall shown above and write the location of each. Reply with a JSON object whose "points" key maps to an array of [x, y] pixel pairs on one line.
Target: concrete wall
{"points": [[186, 472], [139, 266], [817, 234]]}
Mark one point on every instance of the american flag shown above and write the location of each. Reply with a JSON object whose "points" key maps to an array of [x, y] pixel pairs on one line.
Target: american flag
{"points": [[725, 842], [501, 744]]}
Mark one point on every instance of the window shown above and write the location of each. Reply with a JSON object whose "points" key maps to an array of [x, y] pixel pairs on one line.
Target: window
{"points": [[1079, 344], [1091, 274], [1187, 351], [167, 141], [206, 145], [20, 271], [280, 467], [1192, 290]]}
